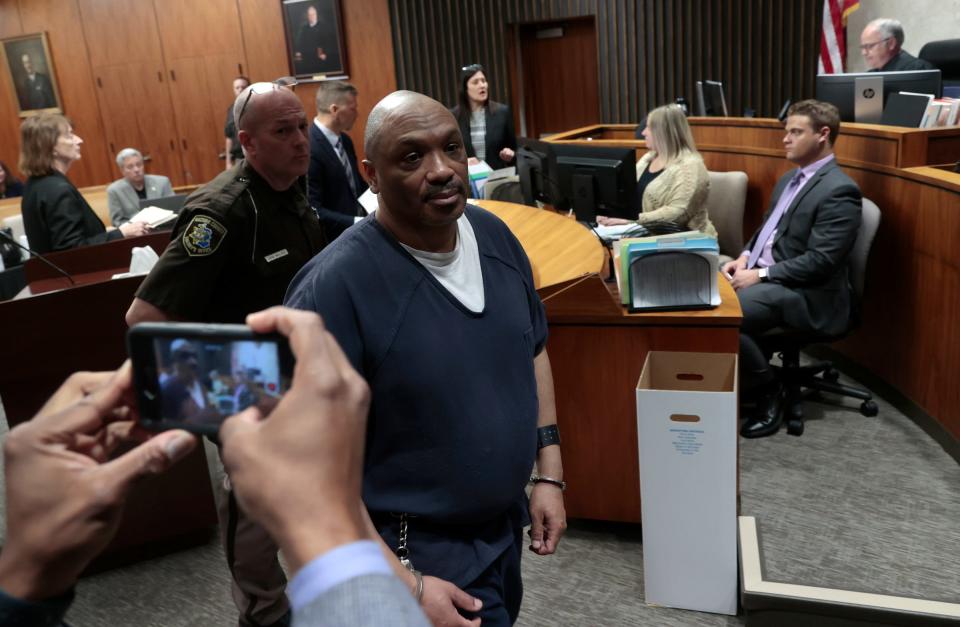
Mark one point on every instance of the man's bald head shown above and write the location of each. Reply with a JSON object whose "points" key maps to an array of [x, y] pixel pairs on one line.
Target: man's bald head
{"points": [[251, 110], [273, 131], [396, 104]]}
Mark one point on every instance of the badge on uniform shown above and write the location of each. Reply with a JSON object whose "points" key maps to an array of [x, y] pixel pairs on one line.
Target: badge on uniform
{"points": [[202, 236]]}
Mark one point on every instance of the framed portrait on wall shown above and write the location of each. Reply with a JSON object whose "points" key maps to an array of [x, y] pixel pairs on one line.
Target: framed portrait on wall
{"points": [[29, 69], [314, 34]]}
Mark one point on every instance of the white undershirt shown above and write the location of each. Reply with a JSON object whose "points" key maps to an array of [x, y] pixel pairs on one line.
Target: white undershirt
{"points": [[458, 270]]}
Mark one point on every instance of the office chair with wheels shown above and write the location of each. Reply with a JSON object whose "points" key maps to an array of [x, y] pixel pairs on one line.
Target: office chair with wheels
{"points": [[800, 382], [725, 202]]}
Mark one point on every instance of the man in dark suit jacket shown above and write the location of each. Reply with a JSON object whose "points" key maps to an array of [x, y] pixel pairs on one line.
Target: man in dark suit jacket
{"points": [[793, 272], [332, 185]]}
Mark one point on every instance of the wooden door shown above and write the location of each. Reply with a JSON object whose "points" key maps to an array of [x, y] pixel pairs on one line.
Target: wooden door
{"points": [[560, 76], [200, 132], [131, 85], [119, 100], [204, 50], [155, 117]]}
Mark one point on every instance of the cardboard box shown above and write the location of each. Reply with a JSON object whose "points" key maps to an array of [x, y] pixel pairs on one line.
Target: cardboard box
{"points": [[687, 432]]}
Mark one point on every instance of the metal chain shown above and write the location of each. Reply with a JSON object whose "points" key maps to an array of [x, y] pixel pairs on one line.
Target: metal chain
{"points": [[403, 554]]}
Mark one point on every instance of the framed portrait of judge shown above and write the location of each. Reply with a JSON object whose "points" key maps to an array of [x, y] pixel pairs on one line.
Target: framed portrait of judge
{"points": [[29, 68], [314, 32]]}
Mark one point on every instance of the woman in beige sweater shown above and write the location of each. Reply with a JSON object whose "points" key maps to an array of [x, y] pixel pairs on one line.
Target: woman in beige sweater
{"points": [[671, 178]]}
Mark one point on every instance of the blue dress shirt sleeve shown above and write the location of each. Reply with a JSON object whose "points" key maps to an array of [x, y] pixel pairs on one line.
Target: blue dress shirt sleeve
{"points": [[334, 567]]}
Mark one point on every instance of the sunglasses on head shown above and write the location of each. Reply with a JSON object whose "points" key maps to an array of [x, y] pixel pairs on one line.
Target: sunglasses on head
{"points": [[265, 88]]}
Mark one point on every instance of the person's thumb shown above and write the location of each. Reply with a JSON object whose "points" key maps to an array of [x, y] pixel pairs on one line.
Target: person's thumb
{"points": [[243, 422], [536, 533], [464, 601], [149, 458]]}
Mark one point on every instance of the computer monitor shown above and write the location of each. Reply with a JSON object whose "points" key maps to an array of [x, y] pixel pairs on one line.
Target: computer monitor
{"points": [[536, 167], [710, 99], [839, 89], [173, 203], [596, 180]]}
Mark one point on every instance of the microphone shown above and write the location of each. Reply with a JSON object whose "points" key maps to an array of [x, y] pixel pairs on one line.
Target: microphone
{"points": [[12, 239]]}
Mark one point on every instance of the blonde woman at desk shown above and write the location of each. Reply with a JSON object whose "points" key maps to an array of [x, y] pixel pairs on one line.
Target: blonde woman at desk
{"points": [[672, 182]]}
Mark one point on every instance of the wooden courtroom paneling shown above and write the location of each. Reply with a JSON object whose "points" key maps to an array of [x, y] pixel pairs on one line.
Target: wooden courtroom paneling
{"points": [[191, 29], [61, 20], [120, 32], [203, 48], [262, 26], [131, 83], [204, 44], [9, 123], [156, 121], [649, 51]]}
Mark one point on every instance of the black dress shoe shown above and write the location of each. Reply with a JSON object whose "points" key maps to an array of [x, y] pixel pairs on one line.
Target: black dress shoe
{"points": [[767, 420]]}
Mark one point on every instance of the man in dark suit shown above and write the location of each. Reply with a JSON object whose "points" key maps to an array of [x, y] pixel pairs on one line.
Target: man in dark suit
{"points": [[333, 181], [36, 90], [793, 272]]}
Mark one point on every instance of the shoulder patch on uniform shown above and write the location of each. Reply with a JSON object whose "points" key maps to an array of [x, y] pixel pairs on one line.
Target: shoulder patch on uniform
{"points": [[202, 236]]}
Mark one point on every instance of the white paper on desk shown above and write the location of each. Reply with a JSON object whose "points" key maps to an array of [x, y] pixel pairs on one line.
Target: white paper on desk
{"points": [[502, 173], [619, 231], [609, 233], [154, 216], [142, 260], [368, 200]]}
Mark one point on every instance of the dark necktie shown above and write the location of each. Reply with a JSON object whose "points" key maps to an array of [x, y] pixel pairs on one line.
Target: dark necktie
{"points": [[346, 166]]}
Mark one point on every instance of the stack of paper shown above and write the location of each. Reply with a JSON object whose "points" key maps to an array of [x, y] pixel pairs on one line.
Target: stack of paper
{"points": [[668, 272], [154, 216], [941, 112]]}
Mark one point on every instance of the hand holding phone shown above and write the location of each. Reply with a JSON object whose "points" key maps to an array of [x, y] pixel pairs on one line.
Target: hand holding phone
{"points": [[298, 472]]}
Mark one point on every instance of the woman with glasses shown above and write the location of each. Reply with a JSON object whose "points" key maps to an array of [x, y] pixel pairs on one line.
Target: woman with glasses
{"points": [[487, 126], [672, 181], [55, 214]]}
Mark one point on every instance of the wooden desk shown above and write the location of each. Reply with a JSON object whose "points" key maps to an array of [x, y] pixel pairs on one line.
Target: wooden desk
{"points": [[910, 337], [95, 195], [597, 351], [893, 146]]}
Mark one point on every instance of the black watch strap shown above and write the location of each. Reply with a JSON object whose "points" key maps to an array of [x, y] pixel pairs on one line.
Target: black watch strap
{"points": [[547, 436]]}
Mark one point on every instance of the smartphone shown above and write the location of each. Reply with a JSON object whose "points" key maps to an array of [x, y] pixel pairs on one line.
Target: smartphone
{"points": [[193, 376]]}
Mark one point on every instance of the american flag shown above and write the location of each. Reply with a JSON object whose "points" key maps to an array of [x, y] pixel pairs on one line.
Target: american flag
{"points": [[833, 39]]}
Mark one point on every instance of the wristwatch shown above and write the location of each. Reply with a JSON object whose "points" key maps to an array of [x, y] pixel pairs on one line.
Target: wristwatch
{"points": [[763, 274]]}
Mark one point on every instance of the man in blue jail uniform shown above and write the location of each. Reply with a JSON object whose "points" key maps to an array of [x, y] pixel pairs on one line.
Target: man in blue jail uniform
{"points": [[433, 302]]}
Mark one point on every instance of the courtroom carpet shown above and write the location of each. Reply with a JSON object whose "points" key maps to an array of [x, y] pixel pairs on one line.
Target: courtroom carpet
{"points": [[857, 503]]}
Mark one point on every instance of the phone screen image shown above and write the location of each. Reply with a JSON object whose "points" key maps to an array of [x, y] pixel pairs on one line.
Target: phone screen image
{"points": [[202, 381]]}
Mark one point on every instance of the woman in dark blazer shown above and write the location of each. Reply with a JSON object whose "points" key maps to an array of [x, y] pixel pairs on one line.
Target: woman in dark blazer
{"points": [[486, 126], [9, 186], [55, 215]]}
